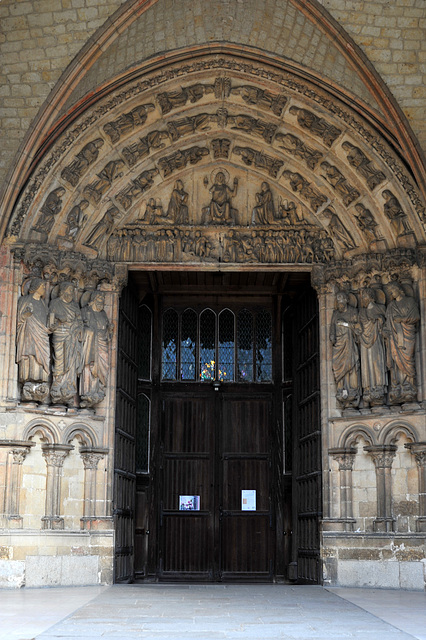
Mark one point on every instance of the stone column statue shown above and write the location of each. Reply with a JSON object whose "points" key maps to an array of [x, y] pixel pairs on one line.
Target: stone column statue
{"points": [[97, 336], [67, 335], [32, 342], [402, 318], [345, 358], [371, 319]]}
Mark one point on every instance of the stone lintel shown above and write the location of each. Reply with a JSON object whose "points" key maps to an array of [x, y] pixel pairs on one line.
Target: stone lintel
{"points": [[338, 524]]}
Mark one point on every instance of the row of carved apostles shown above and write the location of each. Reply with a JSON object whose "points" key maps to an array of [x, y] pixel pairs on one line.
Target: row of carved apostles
{"points": [[62, 348], [373, 346]]}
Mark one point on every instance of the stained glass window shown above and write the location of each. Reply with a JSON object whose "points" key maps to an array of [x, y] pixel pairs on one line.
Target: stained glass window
{"points": [[169, 346], [226, 355], [207, 345], [188, 341], [142, 436], [245, 346], [145, 319], [263, 347]]}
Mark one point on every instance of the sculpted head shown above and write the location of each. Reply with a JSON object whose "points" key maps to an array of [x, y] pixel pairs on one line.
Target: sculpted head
{"points": [[97, 300], [395, 290], [66, 291], [367, 296], [220, 177], [342, 300], [37, 288]]}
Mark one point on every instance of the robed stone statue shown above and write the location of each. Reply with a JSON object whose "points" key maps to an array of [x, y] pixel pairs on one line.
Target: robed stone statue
{"points": [[371, 319], [66, 324], [402, 319], [345, 358], [97, 336], [32, 342]]}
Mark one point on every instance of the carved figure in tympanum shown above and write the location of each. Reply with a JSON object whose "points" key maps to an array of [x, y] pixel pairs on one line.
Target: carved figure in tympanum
{"points": [[316, 125], [221, 147], [66, 325], [97, 336], [300, 185], [139, 150], [177, 211], [255, 126], [287, 212], [153, 212], [262, 98], [371, 319], [220, 210], [259, 159], [339, 183], [127, 122], [264, 211], [345, 352], [111, 172], [32, 342], [338, 231], [173, 99], [102, 229], [363, 165], [82, 161], [185, 126], [299, 149], [136, 188], [367, 223], [49, 210], [179, 159], [76, 219], [395, 213], [402, 320]]}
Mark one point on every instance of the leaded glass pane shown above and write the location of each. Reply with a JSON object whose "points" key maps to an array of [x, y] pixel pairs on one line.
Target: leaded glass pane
{"points": [[226, 346], [169, 345], [145, 319], [245, 346], [188, 342], [142, 435], [263, 347], [207, 345]]}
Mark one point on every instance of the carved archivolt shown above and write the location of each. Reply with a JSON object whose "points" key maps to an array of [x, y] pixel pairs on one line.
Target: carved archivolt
{"points": [[113, 175]]}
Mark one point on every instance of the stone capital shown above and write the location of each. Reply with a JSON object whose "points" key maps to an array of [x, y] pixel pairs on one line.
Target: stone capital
{"points": [[91, 457], [382, 455], [418, 449], [345, 457], [55, 454]]}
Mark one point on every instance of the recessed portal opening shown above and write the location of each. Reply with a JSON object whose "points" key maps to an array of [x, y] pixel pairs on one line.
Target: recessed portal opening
{"points": [[218, 409]]}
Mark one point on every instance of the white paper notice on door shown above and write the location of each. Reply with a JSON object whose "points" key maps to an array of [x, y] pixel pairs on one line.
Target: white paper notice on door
{"points": [[248, 500]]}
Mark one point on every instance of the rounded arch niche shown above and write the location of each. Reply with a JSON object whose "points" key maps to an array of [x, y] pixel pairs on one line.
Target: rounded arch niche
{"points": [[218, 160]]}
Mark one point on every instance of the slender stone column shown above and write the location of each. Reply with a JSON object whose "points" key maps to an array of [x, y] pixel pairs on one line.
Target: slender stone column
{"points": [[91, 458], [346, 459], [418, 449], [55, 455], [383, 456], [18, 451]]}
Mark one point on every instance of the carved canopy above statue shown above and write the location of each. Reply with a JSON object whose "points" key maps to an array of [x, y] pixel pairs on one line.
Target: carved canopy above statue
{"points": [[220, 161]]}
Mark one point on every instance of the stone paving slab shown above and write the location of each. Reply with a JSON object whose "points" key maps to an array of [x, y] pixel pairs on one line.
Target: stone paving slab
{"points": [[221, 612]]}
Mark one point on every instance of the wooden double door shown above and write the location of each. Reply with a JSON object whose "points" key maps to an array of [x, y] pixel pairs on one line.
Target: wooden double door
{"points": [[216, 447]]}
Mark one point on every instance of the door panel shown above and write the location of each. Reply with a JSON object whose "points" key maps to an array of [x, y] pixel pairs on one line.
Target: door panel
{"points": [[187, 465], [125, 431], [214, 445], [245, 550], [307, 439]]}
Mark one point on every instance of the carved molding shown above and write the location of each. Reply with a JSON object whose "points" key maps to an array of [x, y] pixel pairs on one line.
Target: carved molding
{"points": [[257, 126]]}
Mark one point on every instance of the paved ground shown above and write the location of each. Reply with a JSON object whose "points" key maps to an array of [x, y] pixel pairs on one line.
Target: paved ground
{"points": [[210, 612]]}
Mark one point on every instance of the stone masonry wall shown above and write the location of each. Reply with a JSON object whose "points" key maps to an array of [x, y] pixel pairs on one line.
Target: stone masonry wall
{"points": [[39, 38]]}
